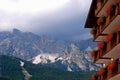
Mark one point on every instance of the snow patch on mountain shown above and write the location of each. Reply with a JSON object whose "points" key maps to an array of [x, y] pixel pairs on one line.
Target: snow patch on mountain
{"points": [[21, 63], [45, 58], [88, 49], [59, 58], [72, 58], [69, 69]]}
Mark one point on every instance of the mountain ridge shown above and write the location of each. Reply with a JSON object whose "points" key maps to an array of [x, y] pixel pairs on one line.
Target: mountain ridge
{"points": [[73, 56]]}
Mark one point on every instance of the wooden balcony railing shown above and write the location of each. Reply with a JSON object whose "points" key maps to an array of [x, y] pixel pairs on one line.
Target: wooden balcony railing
{"points": [[108, 47], [108, 74], [113, 72], [96, 56], [105, 74], [111, 16], [117, 11], [103, 77], [101, 28], [98, 30], [99, 6]]}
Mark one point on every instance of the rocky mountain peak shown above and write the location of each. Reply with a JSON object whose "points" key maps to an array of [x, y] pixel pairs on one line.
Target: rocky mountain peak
{"points": [[28, 46], [16, 31]]}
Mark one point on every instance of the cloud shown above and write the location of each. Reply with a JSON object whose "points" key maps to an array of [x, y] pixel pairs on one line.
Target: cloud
{"points": [[60, 18], [32, 6]]}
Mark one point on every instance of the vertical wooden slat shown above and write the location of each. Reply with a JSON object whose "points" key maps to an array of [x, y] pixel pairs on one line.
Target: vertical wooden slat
{"points": [[98, 7], [109, 74], [104, 1], [117, 9], [108, 46], [118, 37], [118, 67], [107, 20], [102, 77], [99, 78]]}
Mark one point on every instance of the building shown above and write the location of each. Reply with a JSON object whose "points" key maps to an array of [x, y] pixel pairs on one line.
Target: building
{"points": [[104, 21]]}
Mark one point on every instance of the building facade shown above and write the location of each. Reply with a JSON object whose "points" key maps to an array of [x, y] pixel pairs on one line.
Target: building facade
{"points": [[104, 23]]}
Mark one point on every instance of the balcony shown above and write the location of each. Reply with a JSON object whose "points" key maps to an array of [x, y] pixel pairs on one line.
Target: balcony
{"points": [[110, 50], [104, 76], [98, 36], [110, 74], [112, 20], [101, 7], [98, 59], [113, 47]]}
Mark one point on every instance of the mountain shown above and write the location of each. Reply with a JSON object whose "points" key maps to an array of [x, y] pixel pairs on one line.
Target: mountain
{"points": [[19, 44], [66, 55], [76, 60], [16, 69]]}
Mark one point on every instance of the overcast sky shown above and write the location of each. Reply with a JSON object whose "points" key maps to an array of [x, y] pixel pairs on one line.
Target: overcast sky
{"points": [[63, 19]]}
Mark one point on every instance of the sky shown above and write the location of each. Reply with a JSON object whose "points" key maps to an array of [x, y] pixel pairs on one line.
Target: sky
{"points": [[63, 19]]}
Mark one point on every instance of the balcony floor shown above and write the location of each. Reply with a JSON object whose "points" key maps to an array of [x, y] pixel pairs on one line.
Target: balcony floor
{"points": [[102, 61], [113, 25], [114, 53], [117, 77], [100, 38]]}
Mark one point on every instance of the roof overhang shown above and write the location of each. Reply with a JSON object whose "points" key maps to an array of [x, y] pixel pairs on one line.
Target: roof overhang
{"points": [[91, 19]]}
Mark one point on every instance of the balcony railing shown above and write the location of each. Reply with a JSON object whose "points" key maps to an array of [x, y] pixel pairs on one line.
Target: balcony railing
{"points": [[113, 72], [109, 22], [102, 5], [108, 46], [99, 6], [98, 31], [110, 73]]}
